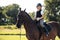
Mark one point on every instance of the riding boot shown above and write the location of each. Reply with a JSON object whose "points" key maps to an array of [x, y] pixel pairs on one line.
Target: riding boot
{"points": [[46, 31]]}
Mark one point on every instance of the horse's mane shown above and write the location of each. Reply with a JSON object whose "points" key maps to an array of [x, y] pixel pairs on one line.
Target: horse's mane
{"points": [[28, 16]]}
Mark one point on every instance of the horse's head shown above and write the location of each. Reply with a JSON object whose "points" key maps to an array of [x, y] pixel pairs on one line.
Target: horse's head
{"points": [[20, 18]]}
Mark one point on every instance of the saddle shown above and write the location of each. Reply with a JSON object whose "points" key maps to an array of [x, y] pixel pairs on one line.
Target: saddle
{"points": [[46, 25]]}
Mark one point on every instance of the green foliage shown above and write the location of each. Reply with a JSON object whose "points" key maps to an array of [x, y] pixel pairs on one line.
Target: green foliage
{"points": [[52, 10], [2, 16], [9, 13], [12, 11], [32, 14]]}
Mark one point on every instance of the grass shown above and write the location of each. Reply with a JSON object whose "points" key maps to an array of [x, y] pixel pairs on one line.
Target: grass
{"points": [[5, 30], [11, 29], [10, 37], [14, 31]]}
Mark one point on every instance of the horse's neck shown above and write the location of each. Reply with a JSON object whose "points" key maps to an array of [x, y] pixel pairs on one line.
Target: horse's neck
{"points": [[29, 24]]}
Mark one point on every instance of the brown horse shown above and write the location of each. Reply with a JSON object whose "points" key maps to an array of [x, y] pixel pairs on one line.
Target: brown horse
{"points": [[32, 31], [53, 33]]}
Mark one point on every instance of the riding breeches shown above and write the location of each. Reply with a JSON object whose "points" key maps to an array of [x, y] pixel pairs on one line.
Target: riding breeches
{"points": [[42, 23]]}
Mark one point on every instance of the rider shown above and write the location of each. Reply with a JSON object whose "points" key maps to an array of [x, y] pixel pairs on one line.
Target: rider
{"points": [[39, 18]]}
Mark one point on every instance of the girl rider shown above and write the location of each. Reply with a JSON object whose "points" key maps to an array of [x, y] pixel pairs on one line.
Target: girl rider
{"points": [[39, 18]]}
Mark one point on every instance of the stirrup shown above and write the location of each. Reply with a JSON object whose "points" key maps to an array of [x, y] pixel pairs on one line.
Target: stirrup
{"points": [[47, 34]]}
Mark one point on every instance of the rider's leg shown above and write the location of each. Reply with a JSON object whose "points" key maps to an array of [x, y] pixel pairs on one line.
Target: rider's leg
{"points": [[43, 26]]}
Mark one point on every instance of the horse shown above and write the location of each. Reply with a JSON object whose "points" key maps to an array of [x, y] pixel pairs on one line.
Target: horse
{"points": [[32, 31], [55, 31]]}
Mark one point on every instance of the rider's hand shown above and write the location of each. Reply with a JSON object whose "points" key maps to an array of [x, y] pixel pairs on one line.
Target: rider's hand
{"points": [[38, 19]]}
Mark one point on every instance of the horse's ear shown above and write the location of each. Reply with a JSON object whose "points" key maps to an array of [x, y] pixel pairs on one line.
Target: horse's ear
{"points": [[24, 10], [20, 9]]}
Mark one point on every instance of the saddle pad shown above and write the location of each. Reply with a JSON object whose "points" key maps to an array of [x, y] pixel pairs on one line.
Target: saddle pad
{"points": [[47, 26]]}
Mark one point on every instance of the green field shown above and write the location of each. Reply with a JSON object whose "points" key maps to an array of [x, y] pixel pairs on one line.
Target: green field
{"points": [[12, 37], [5, 30], [13, 30]]}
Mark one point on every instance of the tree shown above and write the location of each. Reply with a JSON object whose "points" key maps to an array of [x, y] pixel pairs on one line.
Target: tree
{"points": [[52, 10], [2, 16], [32, 14], [11, 12]]}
